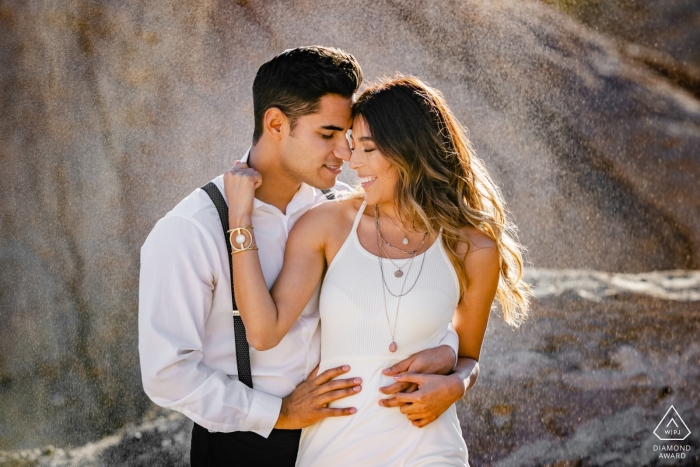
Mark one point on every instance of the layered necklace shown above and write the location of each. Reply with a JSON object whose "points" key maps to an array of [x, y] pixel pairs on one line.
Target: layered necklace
{"points": [[398, 273]]}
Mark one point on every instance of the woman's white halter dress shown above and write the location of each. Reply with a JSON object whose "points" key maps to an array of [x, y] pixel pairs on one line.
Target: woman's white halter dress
{"points": [[355, 332]]}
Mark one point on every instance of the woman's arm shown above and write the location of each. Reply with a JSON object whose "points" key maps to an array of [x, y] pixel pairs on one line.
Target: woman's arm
{"points": [[268, 316], [472, 314]]}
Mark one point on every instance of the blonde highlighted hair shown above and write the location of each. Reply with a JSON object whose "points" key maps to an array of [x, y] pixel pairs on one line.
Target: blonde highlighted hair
{"points": [[442, 183]]}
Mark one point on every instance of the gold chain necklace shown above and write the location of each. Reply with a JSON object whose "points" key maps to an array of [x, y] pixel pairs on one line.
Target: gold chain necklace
{"points": [[392, 329], [376, 222], [405, 235]]}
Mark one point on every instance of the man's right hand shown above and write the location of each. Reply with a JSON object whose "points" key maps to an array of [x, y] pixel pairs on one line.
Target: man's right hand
{"points": [[308, 403]]}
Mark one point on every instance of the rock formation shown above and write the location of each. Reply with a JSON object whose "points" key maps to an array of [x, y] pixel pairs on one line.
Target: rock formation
{"points": [[586, 382], [113, 112]]}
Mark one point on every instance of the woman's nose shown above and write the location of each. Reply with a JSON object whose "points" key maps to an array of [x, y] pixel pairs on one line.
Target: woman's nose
{"points": [[354, 161]]}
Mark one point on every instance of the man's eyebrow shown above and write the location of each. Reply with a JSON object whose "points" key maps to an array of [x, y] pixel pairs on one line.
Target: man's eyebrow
{"points": [[332, 127]]}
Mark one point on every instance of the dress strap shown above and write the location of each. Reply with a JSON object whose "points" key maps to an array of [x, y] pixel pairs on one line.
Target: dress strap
{"points": [[359, 216]]}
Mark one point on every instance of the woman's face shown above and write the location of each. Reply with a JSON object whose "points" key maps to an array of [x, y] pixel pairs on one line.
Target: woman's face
{"points": [[377, 175]]}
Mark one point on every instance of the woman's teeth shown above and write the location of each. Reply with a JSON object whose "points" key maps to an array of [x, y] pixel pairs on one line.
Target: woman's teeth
{"points": [[364, 180]]}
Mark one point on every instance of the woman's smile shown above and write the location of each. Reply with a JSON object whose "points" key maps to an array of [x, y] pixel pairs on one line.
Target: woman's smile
{"points": [[367, 180]]}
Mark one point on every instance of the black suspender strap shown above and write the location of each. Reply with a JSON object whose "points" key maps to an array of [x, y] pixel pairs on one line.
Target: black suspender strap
{"points": [[242, 349]]}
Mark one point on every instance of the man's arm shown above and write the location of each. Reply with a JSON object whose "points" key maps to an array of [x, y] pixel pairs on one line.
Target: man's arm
{"points": [[178, 273]]}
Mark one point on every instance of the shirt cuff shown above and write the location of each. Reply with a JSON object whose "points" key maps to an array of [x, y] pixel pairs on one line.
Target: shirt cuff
{"points": [[264, 412]]}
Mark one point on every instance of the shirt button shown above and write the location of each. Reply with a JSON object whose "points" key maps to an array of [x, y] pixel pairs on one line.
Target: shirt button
{"points": [[256, 427]]}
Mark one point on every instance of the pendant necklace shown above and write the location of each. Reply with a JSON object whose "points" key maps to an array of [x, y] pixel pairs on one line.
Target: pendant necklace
{"points": [[392, 329], [405, 235], [399, 272], [393, 347]]}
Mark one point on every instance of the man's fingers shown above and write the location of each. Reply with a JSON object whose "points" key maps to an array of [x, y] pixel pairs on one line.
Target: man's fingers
{"points": [[313, 374], [400, 367], [337, 384], [338, 412], [331, 396], [391, 402], [328, 375]]}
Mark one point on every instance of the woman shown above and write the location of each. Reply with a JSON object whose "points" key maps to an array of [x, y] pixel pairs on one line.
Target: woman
{"points": [[427, 243]]}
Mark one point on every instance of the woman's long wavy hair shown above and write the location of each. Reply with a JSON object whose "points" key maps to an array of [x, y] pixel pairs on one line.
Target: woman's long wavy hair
{"points": [[441, 182]]}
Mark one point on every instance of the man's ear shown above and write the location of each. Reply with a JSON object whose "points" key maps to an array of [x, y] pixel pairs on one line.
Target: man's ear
{"points": [[275, 123]]}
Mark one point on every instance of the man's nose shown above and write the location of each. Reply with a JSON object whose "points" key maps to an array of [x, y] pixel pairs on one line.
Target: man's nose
{"points": [[343, 151]]}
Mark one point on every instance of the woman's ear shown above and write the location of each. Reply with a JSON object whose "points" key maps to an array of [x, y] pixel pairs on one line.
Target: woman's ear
{"points": [[274, 123]]}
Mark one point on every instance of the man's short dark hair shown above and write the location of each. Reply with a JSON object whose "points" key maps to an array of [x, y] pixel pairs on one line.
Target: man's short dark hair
{"points": [[296, 80]]}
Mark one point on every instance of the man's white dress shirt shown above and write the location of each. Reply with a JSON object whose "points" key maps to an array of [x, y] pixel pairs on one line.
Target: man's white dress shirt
{"points": [[186, 340]]}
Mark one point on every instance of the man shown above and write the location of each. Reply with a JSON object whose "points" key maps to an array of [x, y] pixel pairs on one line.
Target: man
{"points": [[302, 105]]}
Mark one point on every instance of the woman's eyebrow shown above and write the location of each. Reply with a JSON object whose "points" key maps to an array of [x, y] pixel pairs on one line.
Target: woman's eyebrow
{"points": [[365, 138]]}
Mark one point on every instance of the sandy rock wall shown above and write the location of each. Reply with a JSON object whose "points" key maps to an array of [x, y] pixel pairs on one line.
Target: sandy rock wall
{"points": [[113, 112], [585, 384]]}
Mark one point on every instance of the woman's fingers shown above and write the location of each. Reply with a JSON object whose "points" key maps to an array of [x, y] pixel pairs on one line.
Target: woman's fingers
{"points": [[394, 388], [407, 409], [414, 417]]}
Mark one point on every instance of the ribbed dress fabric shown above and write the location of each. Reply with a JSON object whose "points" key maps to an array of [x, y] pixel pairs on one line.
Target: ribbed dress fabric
{"points": [[354, 331]]}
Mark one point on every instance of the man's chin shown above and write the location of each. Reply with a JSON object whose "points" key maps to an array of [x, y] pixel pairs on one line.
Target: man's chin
{"points": [[323, 183]]}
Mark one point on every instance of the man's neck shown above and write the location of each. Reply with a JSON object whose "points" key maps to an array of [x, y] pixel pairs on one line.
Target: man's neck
{"points": [[277, 188]]}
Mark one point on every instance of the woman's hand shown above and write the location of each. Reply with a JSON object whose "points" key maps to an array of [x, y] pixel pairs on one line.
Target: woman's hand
{"points": [[435, 394], [240, 184]]}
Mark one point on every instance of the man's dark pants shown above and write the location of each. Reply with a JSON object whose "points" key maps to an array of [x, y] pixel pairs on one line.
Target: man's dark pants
{"points": [[243, 448]]}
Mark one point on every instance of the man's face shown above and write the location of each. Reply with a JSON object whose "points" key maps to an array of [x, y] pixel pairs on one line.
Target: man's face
{"points": [[315, 149]]}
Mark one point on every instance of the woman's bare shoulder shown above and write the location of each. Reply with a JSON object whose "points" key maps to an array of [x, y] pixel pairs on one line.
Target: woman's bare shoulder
{"points": [[482, 260], [476, 241], [331, 214]]}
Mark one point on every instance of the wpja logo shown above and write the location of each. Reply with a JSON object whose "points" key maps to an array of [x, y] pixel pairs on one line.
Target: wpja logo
{"points": [[672, 428]]}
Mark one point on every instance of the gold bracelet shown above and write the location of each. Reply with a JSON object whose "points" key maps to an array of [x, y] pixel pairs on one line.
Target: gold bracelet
{"points": [[241, 239], [245, 249]]}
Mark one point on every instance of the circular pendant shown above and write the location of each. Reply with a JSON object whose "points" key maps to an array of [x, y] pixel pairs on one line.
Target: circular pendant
{"points": [[398, 273], [240, 238], [392, 347], [405, 241]]}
